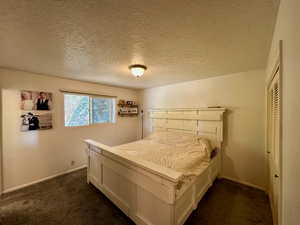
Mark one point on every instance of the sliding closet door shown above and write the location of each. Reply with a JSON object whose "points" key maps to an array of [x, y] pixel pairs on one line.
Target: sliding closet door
{"points": [[274, 143]]}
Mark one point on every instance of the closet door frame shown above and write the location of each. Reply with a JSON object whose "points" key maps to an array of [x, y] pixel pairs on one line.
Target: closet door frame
{"points": [[1, 146], [277, 69]]}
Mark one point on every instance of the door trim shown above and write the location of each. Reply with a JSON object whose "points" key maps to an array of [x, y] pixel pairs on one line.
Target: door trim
{"points": [[1, 147], [277, 68]]}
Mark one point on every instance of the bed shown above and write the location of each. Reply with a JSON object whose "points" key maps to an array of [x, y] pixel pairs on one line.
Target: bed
{"points": [[144, 183]]}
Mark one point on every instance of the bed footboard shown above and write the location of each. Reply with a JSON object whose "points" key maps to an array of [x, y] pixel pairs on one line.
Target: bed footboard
{"points": [[140, 192]]}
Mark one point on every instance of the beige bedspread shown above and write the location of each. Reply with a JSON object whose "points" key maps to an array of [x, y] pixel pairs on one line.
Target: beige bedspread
{"points": [[187, 159]]}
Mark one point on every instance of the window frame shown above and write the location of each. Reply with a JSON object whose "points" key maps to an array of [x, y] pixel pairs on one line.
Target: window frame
{"points": [[90, 119]]}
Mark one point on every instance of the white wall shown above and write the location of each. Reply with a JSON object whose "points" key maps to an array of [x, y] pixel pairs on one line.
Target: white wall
{"points": [[243, 95], [29, 156], [287, 29]]}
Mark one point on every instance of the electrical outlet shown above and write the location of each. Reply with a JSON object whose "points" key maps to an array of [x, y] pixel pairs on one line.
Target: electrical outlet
{"points": [[72, 163]]}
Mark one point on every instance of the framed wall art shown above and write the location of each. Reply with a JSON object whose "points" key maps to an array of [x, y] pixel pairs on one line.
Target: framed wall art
{"points": [[35, 100], [36, 110]]}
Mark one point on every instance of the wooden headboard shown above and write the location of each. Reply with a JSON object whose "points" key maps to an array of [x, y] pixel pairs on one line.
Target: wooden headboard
{"points": [[205, 122]]}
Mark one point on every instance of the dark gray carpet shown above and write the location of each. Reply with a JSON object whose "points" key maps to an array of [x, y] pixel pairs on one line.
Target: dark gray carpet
{"points": [[68, 200]]}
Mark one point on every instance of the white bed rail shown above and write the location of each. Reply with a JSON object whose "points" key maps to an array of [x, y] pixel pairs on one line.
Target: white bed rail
{"points": [[162, 172], [159, 181]]}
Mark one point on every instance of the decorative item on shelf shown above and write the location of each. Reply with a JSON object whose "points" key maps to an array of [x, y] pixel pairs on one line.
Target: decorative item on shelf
{"points": [[123, 110], [133, 110], [127, 108], [130, 103], [121, 102]]}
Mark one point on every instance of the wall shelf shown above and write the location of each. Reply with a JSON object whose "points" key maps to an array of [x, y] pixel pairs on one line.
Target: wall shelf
{"points": [[128, 110], [127, 106], [127, 114]]}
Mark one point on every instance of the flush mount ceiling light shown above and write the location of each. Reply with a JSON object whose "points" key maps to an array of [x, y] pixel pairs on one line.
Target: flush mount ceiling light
{"points": [[137, 70]]}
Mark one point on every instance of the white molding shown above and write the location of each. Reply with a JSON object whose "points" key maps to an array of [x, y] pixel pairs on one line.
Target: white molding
{"points": [[43, 179], [244, 183], [1, 146]]}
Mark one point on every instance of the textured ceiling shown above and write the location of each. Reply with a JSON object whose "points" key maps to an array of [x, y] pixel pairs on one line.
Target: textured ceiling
{"points": [[96, 40]]}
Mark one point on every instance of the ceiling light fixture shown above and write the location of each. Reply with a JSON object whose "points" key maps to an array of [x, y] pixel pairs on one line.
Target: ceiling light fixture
{"points": [[137, 70]]}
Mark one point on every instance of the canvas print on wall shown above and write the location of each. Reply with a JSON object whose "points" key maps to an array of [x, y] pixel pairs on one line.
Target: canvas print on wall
{"points": [[36, 121], [36, 111], [35, 100]]}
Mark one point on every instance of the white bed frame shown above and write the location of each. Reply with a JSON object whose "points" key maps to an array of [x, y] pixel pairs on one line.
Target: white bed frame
{"points": [[146, 192]]}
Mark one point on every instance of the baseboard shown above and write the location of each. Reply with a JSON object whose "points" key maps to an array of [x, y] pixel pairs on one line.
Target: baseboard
{"points": [[244, 183], [43, 179]]}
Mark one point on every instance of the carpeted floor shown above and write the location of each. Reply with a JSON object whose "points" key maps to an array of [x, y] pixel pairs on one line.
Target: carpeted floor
{"points": [[68, 200]]}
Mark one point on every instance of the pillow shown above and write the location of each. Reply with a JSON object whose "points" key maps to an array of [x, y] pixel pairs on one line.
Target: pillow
{"points": [[205, 147], [178, 139], [181, 139]]}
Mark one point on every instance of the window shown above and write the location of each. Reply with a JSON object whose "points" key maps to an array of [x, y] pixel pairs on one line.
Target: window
{"points": [[83, 110]]}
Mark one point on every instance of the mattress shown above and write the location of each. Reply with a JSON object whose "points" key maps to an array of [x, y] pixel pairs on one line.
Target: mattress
{"points": [[184, 153], [187, 160]]}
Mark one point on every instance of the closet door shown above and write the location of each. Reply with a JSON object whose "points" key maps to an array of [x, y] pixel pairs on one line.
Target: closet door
{"points": [[274, 143]]}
